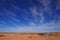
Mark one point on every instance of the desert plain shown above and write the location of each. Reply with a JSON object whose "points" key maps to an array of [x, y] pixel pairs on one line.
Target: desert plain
{"points": [[30, 36]]}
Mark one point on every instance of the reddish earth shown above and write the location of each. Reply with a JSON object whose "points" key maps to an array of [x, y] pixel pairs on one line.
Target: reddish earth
{"points": [[28, 36]]}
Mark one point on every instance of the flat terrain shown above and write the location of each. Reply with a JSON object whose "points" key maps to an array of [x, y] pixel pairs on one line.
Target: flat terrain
{"points": [[29, 36]]}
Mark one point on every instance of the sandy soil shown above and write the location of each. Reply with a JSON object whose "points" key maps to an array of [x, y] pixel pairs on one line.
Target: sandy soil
{"points": [[17, 36]]}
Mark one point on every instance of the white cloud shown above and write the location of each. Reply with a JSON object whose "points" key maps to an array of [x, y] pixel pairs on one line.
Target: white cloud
{"points": [[33, 11], [46, 6], [49, 27], [11, 15], [1, 14], [2, 22], [9, 12], [11, 22], [16, 7], [46, 2], [57, 4]]}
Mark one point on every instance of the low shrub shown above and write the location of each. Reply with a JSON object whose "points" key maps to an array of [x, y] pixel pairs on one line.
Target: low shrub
{"points": [[2, 35]]}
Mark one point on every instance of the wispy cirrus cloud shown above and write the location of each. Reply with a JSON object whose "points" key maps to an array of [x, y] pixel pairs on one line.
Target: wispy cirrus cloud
{"points": [[46, 6], [2, 22], [9, 12], [57, 4], [42, 19], [11, 15], [48, 27], [45, 9], [38, 16], [16, 7], [1, 14]]}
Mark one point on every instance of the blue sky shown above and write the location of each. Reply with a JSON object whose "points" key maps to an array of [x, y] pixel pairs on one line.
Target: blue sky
{"points": [[30, 16]]}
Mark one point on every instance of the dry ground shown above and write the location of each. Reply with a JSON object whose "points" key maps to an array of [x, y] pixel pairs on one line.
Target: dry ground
{"points": [[36, 36]]}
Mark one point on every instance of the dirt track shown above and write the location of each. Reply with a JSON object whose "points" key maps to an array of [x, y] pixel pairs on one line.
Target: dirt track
{"points": [[29, 37]]}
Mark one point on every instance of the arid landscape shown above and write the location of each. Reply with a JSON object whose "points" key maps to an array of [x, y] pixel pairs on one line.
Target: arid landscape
{"points": [[29, 36]]}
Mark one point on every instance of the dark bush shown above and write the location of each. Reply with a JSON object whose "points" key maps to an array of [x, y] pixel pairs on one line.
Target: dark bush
{"points": [[40, 33], [2, 35], [30, 37], [46, 34]]}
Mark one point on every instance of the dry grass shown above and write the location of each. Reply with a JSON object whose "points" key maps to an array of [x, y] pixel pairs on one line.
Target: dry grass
{"points": [[36, 36]]}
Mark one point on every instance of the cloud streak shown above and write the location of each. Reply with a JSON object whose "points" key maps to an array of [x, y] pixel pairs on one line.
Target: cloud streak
{"points": [[42, 19], [11, 15], [35, 29], [57, 4]]}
